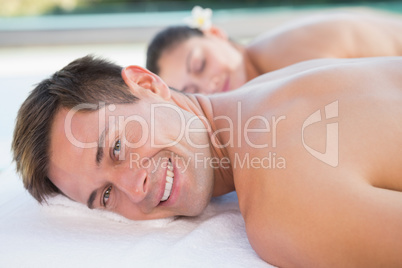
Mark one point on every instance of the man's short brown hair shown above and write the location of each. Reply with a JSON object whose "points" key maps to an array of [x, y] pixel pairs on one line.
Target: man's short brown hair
{"points": [[85, 80]]}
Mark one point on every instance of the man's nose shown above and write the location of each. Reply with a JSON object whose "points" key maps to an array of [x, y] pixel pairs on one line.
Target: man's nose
{"points": [[133, 183]]}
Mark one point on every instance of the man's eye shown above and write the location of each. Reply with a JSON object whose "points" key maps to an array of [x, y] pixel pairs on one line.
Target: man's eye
{"points": [[106, 195], [117, 148]]}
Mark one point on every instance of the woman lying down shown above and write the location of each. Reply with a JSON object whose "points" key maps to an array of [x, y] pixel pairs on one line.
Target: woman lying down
{"points": [[207, 61]]}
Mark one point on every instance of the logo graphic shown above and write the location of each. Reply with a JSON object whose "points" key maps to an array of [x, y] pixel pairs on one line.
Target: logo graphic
{"points": [[331, 154]]}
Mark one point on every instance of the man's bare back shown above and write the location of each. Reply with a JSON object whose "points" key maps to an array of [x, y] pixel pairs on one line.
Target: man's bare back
{"points": [[340, 206]]}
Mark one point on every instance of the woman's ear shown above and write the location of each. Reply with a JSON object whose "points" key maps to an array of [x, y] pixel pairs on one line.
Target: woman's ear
{"points": [[216, 31], [138, 78]]}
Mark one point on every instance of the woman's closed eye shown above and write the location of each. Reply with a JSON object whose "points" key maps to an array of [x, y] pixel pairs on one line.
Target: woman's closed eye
{"points": [[199, 66], [106, 196], [198, 61]]}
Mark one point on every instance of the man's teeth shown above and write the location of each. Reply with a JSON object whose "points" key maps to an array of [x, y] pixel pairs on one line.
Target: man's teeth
{"points": [[169, 182]]}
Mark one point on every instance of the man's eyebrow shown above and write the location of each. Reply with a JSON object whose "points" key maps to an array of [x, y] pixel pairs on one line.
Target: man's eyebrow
{"points": [[99, 151], [91, 199]]}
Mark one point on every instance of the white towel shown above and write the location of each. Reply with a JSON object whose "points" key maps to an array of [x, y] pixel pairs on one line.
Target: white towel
{"points": [[68, 234]]}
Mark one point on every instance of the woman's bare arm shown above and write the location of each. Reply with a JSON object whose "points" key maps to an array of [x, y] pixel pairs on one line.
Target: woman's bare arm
{"points": [[327, 36]]}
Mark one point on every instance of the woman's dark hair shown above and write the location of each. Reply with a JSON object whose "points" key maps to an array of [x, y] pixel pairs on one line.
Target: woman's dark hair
{"points": [[167, 39]]}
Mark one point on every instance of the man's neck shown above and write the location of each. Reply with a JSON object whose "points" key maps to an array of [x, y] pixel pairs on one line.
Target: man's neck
{"points": [[201, 106]]}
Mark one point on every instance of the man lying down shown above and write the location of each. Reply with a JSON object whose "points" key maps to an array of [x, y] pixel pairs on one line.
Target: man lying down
{"points": [[311, 150]]}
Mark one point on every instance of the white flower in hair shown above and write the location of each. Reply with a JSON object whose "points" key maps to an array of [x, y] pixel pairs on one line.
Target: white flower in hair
{"points": [[200, 18]]}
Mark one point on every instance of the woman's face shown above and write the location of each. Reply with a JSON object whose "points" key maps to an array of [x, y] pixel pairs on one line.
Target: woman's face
{"points": [[207, 64]]}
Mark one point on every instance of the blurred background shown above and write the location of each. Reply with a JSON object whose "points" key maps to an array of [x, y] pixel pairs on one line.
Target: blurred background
{"points": [[38, 37]]}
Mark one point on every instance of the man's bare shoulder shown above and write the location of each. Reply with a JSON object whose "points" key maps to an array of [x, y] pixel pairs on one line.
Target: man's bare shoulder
{"points": [[320, 70], [350, 85], [309, 207]]}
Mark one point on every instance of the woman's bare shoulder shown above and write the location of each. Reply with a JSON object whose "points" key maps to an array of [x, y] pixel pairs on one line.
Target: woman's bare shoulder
{"points": [[339, 35]]}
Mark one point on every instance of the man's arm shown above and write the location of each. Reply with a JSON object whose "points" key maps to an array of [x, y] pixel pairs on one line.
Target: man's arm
{"points": [[327, 36]]}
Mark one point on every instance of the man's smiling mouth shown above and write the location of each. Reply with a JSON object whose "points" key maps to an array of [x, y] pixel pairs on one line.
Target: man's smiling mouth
{"points": [[169, 181]]}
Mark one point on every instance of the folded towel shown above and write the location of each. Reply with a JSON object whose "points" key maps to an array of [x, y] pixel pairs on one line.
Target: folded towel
{"points": [[64, 233]]}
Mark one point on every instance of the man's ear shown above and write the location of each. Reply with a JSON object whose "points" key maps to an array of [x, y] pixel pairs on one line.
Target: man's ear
{"points": [[216, 31], [137, 77]]}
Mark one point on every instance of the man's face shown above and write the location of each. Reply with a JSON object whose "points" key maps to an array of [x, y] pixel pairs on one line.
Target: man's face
{"points": [[127, 158]]}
